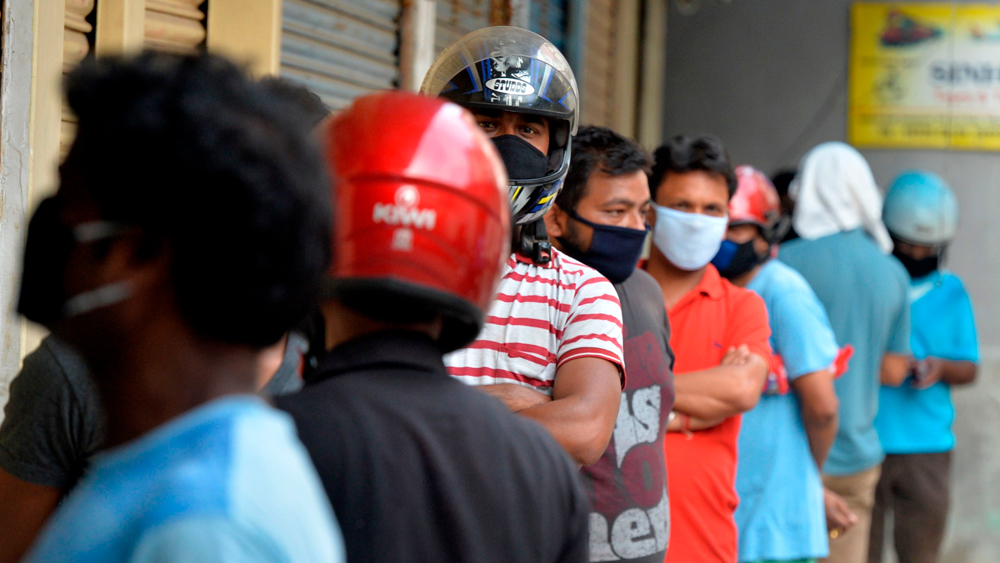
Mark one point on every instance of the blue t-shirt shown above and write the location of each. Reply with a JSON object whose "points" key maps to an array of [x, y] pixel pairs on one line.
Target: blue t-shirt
{"points": [[865, 295], [912, 421], [781, 516], [228, 481]]}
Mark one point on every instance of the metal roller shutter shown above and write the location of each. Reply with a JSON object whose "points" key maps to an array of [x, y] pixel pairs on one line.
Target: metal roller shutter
{"points": [[340, 49], [596, 78], [548, 19], [455, 18]]}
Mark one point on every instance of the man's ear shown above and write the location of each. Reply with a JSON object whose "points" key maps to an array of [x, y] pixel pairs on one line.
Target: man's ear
{"points": [[555, 221]]}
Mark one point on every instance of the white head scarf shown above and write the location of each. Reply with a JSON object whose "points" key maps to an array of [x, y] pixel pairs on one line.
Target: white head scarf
{"points": [[835, 192]]}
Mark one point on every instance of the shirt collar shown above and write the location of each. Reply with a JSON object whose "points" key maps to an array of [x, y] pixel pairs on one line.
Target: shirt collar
{"points": [[382, 350], [710, 286]]}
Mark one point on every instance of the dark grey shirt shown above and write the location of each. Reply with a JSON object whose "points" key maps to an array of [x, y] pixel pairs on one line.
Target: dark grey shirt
{"points": [[53, 422], [630, 520]]}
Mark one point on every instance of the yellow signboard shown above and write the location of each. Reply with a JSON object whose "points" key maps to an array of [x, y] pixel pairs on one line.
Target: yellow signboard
{"points": [[925, 76]]}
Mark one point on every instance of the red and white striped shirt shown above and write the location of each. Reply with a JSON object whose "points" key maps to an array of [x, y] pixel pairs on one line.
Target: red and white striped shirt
{"points": [[543, 316]]}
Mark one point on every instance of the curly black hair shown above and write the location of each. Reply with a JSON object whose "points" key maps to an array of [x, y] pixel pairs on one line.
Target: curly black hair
{"points": [[306, 99], [599, 148], [688, 154], [218, 168]]}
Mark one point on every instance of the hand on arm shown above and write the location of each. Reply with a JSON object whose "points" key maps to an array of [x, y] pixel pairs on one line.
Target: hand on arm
{"points": [[929, 371], [693, 424], [584, 406], [895, 369], [820, 409], [733, 387], [24, 508], [515, 397]]}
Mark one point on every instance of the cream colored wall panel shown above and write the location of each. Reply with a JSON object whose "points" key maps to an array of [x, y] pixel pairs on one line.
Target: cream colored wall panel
{"points": [[247, 31], [173, 33]]}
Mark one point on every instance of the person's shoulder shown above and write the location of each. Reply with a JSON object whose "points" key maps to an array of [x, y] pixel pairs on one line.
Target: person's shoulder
{"points": [[571, 269], [895, 268], [744, 303], [252, 454], [796, 249], [837, 243], [794, 245], [952, 281], [57, 371], [54, 359], [260, 430], [952, 284], [310, 396], [220, 437], [641, 281], [737, 295], [783, 279]]}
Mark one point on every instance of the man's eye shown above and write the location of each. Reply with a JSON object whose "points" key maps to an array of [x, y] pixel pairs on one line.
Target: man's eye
{"points": [[616, 212], [487, 124], [529, 130]]}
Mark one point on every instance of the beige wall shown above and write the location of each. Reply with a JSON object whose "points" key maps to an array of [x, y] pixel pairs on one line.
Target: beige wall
{"points": [[48, 39]]}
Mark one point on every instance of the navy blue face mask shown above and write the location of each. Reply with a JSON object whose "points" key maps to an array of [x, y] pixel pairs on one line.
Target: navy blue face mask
{"points": [[735, 259], [614, 251]]}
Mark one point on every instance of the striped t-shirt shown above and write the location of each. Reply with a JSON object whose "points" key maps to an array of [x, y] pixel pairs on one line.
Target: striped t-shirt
{"points": [[543, 316]]}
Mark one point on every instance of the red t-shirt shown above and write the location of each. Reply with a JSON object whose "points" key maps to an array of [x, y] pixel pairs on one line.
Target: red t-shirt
{"points": [[707, 321]]}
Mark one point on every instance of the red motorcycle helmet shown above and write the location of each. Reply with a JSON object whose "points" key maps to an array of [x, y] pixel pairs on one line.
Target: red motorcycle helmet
{"points": [[422, 220], [756, 202]]}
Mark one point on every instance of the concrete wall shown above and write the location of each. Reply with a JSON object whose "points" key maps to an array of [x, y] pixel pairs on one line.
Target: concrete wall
{"points": [[15, 159], [770, 78]]}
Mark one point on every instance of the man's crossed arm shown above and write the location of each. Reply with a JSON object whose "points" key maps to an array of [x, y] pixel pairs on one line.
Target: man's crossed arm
{"points": [[582, 411]]}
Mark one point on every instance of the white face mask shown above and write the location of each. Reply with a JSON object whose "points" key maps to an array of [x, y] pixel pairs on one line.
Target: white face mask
{"points": [[688, 240]]}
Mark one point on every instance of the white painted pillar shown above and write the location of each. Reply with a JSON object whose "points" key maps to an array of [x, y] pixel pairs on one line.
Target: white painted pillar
{"points": [[416, 48], [15, 167]]}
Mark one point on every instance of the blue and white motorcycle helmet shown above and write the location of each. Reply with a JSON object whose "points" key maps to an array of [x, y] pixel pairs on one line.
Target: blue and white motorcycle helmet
{"points": [[513, 69], [920, 208]]}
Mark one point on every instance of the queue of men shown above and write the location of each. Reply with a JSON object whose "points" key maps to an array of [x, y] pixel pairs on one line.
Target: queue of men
{"points": [[494, 372]]}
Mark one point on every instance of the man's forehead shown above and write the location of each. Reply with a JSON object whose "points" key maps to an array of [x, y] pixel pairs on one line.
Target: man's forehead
{"points": [[696, 183], [626, 189]]}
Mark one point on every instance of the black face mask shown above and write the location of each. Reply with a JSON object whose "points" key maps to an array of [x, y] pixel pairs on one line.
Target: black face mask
{"points": [[736, 259], [43, 296], [918, 268], [614, 251], [522, 159]]}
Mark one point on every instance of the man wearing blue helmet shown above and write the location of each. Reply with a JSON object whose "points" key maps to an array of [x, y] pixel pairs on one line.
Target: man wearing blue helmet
{"points": [[914, 419]]}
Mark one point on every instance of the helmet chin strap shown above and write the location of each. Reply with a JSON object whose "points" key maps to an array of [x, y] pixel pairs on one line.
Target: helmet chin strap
{"points": [[535, 242]]}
